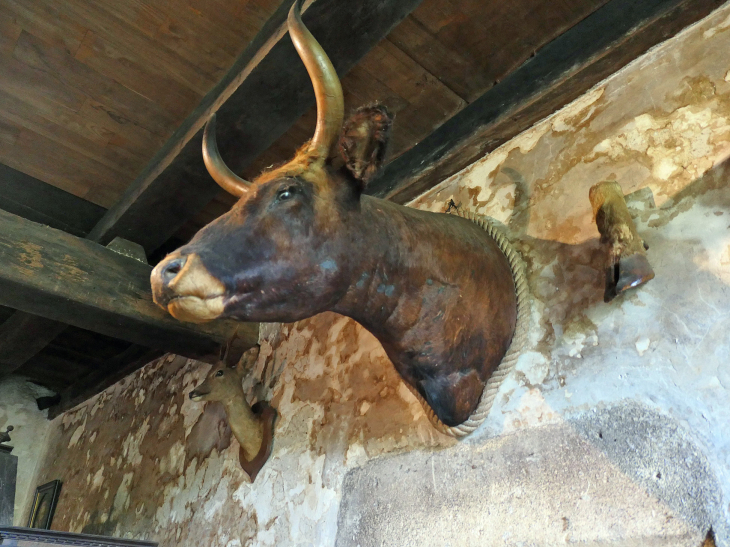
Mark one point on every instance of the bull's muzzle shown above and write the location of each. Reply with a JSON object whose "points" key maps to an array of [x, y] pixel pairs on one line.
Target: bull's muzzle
{"points": [[183, 286]]}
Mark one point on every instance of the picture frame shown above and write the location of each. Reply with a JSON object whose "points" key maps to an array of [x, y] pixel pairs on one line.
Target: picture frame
{"points": [[44, 505]]}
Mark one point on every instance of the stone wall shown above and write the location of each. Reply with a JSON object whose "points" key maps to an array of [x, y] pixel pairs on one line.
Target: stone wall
{"points": [[614, 430]]}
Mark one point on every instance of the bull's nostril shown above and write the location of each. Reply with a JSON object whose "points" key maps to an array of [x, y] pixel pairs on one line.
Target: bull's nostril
{"points": [[172, 268]]}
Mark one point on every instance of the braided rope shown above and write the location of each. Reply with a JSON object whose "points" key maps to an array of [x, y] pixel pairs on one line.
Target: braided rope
{"points": [[519, 340]]}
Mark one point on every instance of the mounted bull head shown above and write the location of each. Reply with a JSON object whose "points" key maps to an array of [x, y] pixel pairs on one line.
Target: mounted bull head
{"points": [[434, 289]]}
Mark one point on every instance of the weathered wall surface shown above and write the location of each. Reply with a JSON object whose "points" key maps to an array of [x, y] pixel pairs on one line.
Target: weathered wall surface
{"points": [[18, 408], [143, 460], [639, 388]]}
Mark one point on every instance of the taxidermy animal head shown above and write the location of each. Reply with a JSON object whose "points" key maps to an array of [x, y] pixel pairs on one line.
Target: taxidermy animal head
{"points": [[252, 427], [304, 238]]}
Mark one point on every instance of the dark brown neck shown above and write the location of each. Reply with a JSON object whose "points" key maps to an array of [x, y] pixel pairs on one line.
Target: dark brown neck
{"points": [[390, 263]]}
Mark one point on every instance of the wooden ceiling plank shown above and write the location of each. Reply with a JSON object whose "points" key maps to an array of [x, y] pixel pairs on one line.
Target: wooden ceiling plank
{"points": [[174, 29], [492, 38], [135, 108], [45, 22], [18, 114], [598, 46], [58, 276], [134, 45], [264, 93], [63, 167], [155, 85], [20, 80], [9, 34], [22, 337], [457, 72], [119, 130]]}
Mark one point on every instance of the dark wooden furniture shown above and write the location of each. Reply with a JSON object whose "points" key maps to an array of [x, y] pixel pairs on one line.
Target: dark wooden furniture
{"points": [[27, 537]]}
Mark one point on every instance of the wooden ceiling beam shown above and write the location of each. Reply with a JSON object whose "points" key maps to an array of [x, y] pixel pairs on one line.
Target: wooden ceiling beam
{"points": [[41, 202], [601, 44], [23, 335], [266, 91], [52, 274]]}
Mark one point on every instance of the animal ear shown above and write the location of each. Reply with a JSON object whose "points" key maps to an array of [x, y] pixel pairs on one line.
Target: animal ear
{"points": [[247, 361], [364, 141]]}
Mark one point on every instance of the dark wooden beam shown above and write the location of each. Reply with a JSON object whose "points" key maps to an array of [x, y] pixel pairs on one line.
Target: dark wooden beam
{"points": [[262, 96], [58, 276], [561, 71], [40, 202], [22, 337]]}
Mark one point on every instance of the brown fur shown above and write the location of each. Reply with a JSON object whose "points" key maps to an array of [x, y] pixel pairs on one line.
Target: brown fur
{"points": [[364, 141]]}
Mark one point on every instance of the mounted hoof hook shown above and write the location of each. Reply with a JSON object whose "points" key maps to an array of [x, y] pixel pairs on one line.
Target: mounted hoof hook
{"points": [[627, 265]]}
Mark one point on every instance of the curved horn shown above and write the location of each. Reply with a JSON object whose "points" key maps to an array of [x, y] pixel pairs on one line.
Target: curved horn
{"points": [[221, 173], [327, 88]]}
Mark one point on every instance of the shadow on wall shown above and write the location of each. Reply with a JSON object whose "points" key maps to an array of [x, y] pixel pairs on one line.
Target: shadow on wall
{"points": [[660, 456]]}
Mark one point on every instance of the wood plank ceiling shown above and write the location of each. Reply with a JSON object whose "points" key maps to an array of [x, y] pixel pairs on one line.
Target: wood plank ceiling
{"points": [[90, 90], [441, 58]]}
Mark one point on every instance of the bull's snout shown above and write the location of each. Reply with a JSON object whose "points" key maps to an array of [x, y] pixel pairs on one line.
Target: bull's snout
{"points": [[170, 268], [182, 285], [163, 275]]}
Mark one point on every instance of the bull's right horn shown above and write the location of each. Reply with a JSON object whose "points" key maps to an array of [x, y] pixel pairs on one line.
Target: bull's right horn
{"points": [[221, 173], [326, 83]]}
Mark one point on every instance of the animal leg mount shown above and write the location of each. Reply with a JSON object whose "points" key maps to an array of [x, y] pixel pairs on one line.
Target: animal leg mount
{"points": [[267, 417], [627, 265]]}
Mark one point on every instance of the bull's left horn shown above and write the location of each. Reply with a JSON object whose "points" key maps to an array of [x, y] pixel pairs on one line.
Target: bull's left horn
{"points": [[221, 173], [326, 83]]}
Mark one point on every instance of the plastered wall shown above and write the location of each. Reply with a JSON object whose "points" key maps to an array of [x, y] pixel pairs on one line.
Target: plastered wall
{"points": [[18, 408], [142, 460]]}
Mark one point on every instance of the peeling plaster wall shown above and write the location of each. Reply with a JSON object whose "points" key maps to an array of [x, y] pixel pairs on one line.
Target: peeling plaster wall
{"points": [[143, 461], [29, 438]]}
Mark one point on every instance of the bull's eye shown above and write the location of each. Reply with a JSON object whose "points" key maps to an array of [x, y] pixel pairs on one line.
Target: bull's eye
{"points": [[219, 373], [285, 194]]}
